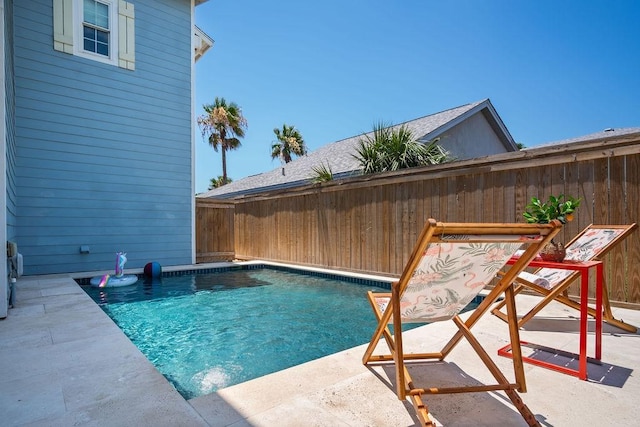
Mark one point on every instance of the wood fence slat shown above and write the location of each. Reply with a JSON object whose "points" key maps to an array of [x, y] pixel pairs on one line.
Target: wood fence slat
{"points": [[386, 252], [347, 225], [632, 243], [412, 217], [431, 191], [501, 208], [403, 203], [356, 239], [518, 190], [460, 208], [615, 259]]}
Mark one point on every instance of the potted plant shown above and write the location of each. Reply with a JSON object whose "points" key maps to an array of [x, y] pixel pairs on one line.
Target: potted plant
{"points": [[561, 208]]}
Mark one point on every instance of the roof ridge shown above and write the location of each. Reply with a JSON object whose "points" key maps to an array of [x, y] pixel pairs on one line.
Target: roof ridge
{"points": [[470, 105]]}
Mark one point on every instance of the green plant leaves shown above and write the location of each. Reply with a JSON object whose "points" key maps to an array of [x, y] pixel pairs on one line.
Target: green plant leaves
{"points": [[393, 148], [554, 208]]}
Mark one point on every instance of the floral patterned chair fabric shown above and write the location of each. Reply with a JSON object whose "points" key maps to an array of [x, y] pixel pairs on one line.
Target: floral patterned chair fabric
{"points": [[586, 247], [450, 275], [593, 243], [450, 264]]}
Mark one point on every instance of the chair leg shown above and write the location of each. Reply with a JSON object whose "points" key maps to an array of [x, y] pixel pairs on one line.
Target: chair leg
{"points": [[514, 336], [607, 314], [398, 354], [524, 410], [381, 330], [421, 411], [496, 310]]}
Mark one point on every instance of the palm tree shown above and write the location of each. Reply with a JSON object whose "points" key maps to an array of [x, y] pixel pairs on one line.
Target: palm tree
{"points": [[393, 148], [218, 182], [223, 125], [289, 142]]}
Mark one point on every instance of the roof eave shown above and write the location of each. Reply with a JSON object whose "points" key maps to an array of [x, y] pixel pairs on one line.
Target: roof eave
{"points": [[202, 42]]}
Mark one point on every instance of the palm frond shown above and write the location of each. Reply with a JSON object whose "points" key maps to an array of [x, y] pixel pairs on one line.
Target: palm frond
{"points": [[323, 173], [390, 148]]}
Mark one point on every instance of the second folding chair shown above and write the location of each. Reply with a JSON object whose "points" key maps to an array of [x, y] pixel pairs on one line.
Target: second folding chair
{"points": [[593, 243]]}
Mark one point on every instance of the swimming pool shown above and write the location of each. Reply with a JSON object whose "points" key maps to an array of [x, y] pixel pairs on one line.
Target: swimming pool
{"points": [[204, 332]]}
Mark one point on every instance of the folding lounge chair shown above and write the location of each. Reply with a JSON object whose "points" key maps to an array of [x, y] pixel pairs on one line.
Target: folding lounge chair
{"points": [[593, 243], [450, 264]]}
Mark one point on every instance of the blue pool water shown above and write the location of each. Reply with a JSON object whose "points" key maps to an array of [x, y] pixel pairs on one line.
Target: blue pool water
{"points": [[204, 332]]}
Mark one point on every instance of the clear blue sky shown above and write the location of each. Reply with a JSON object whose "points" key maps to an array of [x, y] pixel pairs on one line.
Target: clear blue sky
{"points": [[333, 68]]}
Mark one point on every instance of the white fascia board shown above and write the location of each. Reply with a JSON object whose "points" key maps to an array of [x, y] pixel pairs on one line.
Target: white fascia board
{"points": [[202, 42]]}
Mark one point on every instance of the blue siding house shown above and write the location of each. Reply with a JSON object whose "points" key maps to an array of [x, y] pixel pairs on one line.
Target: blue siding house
{"points": [[98, 132]]}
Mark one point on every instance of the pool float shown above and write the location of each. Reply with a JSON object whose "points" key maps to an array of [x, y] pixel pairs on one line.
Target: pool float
{"points": [[108, 281], [119, 279]]}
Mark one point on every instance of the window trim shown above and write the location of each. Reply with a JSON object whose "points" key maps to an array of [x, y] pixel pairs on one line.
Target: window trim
{"points": [[68, 32], [78, 34]]}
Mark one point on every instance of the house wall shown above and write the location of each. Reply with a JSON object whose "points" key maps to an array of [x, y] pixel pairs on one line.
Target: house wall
{"points": [[9, 124], [9, 118], [104, 153], [472, 138]]}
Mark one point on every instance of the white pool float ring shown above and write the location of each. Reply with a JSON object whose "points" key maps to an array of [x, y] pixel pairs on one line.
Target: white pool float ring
{"points": [[108, 281]]}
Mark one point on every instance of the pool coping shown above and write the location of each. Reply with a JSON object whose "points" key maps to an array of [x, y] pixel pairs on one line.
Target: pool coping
{"points": [[360, 279]]}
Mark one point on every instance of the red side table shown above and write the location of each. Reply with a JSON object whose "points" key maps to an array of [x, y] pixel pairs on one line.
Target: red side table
{"points": [[583, 267]]}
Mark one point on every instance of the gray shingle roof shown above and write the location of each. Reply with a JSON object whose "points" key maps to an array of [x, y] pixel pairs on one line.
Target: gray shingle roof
{"points": [[607, 133], [339, 155]]}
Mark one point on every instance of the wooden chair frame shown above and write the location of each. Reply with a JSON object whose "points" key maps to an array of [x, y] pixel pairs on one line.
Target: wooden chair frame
{"points": [[435, 232], [559, 291]]}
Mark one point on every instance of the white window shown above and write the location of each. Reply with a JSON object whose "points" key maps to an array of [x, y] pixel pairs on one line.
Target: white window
{"points": [[102, 30], [96, 28]]}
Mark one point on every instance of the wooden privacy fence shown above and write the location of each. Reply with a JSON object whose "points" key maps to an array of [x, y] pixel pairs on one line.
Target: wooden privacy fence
{"points": [[370, 223], [214, 231]]}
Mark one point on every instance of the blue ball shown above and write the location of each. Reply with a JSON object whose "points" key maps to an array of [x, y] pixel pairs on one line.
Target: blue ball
{"points": [[153, 270]]}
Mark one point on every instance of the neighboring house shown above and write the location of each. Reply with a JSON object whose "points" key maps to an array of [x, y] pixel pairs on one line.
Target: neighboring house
{"points": [[606, 133], [470, 131], [97, 132]]}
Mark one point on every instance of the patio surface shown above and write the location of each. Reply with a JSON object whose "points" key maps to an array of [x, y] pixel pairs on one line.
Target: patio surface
{"points": [[63, 362]]}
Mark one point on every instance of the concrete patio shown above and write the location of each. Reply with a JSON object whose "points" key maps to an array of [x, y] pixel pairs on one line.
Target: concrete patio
{"points": [[63, 362]]}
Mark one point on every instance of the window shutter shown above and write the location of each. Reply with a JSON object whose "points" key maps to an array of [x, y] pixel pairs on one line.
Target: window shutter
{"points": [[126, 36], [63, 25]]}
